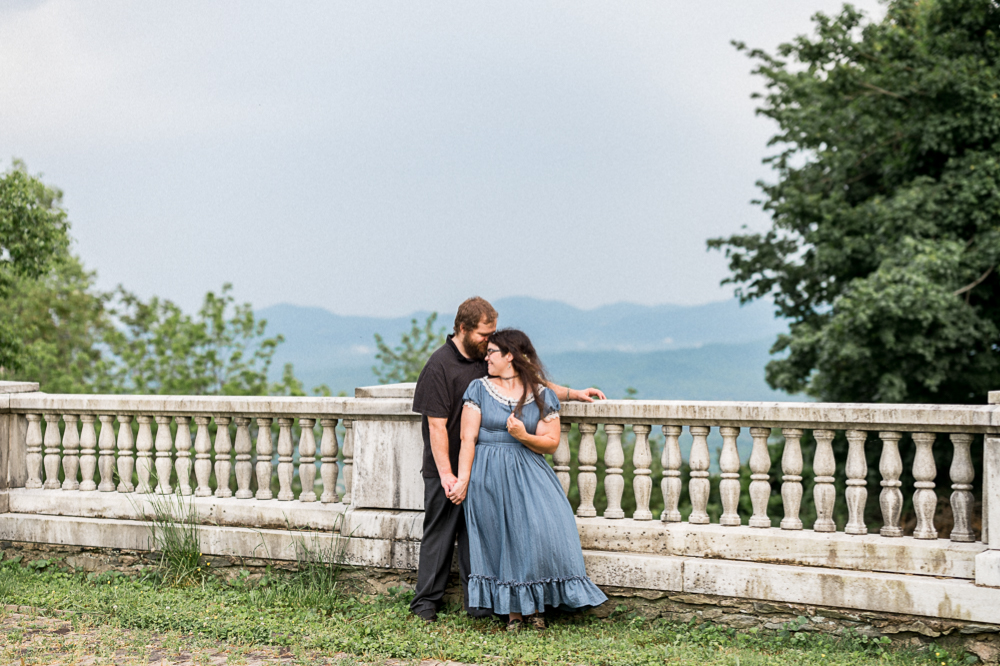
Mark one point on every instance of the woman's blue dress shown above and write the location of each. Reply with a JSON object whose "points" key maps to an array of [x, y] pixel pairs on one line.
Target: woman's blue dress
{"points": [[524, 546]]}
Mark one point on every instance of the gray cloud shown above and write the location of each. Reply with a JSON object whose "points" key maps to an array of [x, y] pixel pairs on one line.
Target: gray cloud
{"points": [[377, 158]]}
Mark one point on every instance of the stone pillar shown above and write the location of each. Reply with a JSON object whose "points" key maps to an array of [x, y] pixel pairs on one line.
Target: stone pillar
{"points": [[614, 461], [642, 484], [988, 562], [561, 458], [13, 442], [386, 455], [729, 487], [670, 485], [699, 485]]}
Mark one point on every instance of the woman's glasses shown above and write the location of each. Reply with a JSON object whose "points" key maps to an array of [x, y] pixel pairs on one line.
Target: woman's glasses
{"points": [[490, 352]]}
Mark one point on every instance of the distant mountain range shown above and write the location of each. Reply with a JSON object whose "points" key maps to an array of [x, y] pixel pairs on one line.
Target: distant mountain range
{"points": [[715, 351]]}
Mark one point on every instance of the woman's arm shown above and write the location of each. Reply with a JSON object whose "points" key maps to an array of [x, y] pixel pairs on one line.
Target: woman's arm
{"points": [[544, 441], [471, 419], [583, 395]]}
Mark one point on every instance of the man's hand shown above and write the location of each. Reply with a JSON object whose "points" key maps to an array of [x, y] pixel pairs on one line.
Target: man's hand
{"points": [[586, 395], [448, 482], [459, 491], [516, 428]]}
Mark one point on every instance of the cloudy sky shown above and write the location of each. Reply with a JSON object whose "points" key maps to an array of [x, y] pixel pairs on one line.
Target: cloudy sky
{"points": [[382, 157]]}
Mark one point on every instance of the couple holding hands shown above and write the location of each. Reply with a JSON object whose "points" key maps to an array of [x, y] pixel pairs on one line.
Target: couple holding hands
{"points": [[489, 418]]}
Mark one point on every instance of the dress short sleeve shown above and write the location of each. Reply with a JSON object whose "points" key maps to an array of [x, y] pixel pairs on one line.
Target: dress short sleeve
{"points": [[552, 404], [473, 396]]}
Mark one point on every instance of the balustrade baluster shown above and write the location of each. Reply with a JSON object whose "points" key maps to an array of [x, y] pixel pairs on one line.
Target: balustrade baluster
{"points": [[163, 447], [561, 457], [670, 484], [348, 462], [760, 481], [824, 494], [328, 465], [285, 468], [71, 453], [890, 466], [924, 497], [642, 484], [88, 452], [182, 442], [265, 449], [614, 459], [202, 457], [729, 487], [699, 485], [244, 468], [33, 454], [51, 459], [586, 477], [857, 481], [223, 463], [791, 479], [144, 455], [106, 462], [307, 460], [126, 462], [962, 474]]}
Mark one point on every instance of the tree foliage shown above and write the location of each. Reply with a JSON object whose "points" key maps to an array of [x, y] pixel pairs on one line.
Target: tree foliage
{"points": [[885, 239], [404, 362], [33, 233], [155, 347], [60, 319]]}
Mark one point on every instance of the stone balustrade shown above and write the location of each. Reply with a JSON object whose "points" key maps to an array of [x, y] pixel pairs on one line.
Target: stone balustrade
{"points": [[260, 473]]}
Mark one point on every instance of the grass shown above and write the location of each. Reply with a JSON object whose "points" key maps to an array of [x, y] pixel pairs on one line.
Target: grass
{"points": [[312, 615]]}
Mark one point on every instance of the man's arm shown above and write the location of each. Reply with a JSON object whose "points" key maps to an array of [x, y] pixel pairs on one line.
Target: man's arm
{"points": [[439, 449], [583, 395]]}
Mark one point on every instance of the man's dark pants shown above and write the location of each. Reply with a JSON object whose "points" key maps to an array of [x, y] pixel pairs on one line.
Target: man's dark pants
{"points": [[443, 520]]}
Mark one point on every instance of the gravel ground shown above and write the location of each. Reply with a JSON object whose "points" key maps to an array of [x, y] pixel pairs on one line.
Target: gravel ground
{"points": [[28, 637]]}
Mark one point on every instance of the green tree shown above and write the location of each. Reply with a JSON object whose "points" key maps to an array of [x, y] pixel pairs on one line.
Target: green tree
{"points": [[33, 233], [404, 362], [885, 234], [60, 320], [155, 347]]}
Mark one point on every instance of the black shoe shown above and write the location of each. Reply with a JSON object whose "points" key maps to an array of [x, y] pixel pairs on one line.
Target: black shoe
{"points": [[427, 616], [479, 613]]}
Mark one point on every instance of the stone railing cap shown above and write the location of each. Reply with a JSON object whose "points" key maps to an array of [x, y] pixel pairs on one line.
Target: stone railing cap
{"points": [[18, 387], [400, 391], [995, 397]]}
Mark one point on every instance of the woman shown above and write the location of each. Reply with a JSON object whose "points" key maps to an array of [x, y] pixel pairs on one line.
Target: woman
{"points": [[523, 544]]}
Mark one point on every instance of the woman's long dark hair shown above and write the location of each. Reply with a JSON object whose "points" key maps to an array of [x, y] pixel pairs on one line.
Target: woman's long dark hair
{"points": [[525, 362]]}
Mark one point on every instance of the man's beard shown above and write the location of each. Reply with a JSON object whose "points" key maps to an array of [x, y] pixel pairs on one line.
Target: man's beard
{"points": [[475, 352]]}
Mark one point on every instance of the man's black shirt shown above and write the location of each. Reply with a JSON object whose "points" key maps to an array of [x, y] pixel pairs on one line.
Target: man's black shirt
{"points": [[439, 392]]}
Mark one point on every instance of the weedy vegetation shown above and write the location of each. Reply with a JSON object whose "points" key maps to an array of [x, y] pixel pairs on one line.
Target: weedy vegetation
{"points": [[312, 613]]}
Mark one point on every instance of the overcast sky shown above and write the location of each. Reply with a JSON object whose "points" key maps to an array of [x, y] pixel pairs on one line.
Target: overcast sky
{"points": [[378, 158]]}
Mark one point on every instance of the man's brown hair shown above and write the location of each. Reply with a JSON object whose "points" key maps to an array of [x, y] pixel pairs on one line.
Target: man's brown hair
{"points": [[472, 312]]}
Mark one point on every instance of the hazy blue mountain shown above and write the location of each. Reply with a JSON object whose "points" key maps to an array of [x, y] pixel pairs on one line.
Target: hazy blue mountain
{"points": [[715, 351]]}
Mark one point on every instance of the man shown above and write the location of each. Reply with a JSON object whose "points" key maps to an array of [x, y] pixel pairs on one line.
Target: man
{"points": [[438, 397]]}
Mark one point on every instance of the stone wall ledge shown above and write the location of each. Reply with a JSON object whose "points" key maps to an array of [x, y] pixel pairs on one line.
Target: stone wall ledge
{"points": [[190, 405], [854, 591], [229, 511], [836, 550]]}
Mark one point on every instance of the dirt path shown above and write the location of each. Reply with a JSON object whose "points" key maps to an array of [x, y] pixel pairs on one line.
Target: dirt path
{"points": [[28, 638]]}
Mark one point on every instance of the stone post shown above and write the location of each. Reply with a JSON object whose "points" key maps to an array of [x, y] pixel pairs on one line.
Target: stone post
{"points": [[988, 561], [386, 455], [13, 441]]}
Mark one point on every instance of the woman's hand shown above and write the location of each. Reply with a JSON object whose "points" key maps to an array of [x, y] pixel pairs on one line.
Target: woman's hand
{"points": [[516, 428], [586, 395], [459, 491]]}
